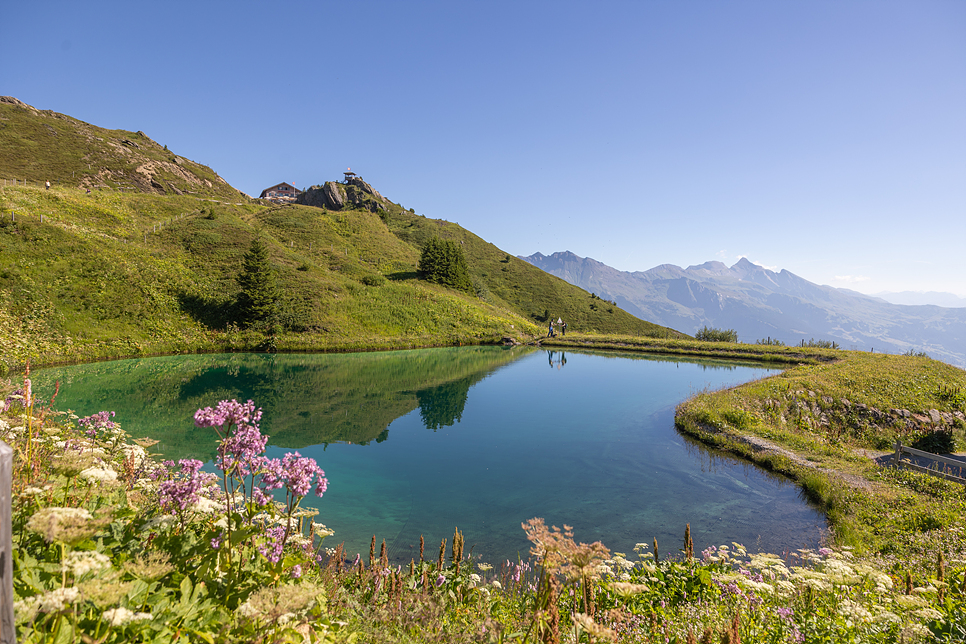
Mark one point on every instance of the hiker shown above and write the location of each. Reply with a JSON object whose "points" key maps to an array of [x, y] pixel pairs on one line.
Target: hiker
{"points": [[550, 330], [47, 185], [563, 329]]}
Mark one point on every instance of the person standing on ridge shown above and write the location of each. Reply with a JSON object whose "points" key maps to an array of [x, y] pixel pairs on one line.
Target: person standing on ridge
{"points": [[47, 185]]}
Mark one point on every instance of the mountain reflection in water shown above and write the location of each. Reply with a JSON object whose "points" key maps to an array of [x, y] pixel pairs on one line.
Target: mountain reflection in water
{"points": [[592, 445]]}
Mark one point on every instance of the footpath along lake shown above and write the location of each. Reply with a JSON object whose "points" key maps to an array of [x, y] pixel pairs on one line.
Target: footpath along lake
{"points": [[417, 442]]}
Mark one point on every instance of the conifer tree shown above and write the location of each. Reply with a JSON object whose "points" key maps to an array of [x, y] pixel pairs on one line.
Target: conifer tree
{"points": [[257, 301], [443, 262]]}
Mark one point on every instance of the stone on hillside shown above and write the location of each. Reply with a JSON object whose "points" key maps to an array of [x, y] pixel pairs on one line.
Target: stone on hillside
{"points": [[935, 417], [334, 195]]}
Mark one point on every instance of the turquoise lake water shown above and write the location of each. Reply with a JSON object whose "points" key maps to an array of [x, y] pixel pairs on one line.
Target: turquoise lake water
{"points": [[483, 438]]}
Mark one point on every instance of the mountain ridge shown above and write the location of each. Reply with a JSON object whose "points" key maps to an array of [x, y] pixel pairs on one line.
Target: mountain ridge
{"points": [[760, 303]]}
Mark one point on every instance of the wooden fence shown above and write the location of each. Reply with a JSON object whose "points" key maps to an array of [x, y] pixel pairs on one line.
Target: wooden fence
{"points": [[943, 467], [8, 634]]}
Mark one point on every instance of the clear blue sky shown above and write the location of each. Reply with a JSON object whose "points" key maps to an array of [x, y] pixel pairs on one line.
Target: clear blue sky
{"points": [[824, 137]]}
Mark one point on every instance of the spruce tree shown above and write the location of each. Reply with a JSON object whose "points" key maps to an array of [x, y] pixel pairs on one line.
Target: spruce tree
{"points": [[257, 302], [443, 262]]}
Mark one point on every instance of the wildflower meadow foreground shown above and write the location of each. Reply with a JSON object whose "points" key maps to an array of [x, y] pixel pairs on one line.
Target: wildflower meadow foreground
{"points": [[111, 545]]}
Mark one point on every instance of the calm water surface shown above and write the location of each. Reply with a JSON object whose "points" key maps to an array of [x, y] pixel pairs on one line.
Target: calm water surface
{"points": [[484, 438]]}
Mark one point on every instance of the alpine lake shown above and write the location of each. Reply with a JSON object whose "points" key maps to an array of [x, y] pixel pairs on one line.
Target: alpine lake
{"points": [[480, 438]]}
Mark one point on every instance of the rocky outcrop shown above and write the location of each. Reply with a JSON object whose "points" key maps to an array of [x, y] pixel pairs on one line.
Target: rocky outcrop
{"points": [[366, 188], [336, 196], [331, 196]]}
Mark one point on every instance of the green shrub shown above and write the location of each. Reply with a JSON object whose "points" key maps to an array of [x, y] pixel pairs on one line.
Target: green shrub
{"points": [[711, 334], [770, 342], [373, 280]]}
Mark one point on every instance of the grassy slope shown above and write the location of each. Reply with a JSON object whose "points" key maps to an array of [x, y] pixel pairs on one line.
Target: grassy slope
{"points": [[525, 288], [97, 279], [110, 274], [898, 515], [43, 145], [146, 262]]}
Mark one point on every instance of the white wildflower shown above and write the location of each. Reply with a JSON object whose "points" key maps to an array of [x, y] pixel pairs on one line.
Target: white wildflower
{"points": [[911, 601], [320, 530], [121, 616], [247, 611], [204, 505], [625, 589], [885, 617], [25, 610], [855, 611], [496, 584], [59, 599], [81, 563], [818, 584], [474, 580], [163, 521], [95, 474], [928, 613]]}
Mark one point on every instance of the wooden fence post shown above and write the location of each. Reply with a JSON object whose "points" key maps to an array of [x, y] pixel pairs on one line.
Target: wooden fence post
{"points": [[8, 633]]}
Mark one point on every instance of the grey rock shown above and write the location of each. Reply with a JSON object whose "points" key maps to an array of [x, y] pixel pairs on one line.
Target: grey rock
{"points": [[934, 416], [334, 195]]}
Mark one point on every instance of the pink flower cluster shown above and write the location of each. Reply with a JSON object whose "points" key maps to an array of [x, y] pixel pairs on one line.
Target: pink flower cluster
{"points": [[182, 488], [227, 413], [272, 549], [295, 472], [96, 422]]}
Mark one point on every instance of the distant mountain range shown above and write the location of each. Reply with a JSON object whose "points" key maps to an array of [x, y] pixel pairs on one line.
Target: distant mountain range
{"points": [[759, 303]]}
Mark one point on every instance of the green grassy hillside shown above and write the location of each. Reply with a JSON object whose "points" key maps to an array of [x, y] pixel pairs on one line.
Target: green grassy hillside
{"points": [[111, 274], [42, 145], [135, 250]]}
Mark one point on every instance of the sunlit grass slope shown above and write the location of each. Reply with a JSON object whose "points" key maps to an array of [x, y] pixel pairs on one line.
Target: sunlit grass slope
{"points": [[42, 145], [107, 274], [827, 414]]}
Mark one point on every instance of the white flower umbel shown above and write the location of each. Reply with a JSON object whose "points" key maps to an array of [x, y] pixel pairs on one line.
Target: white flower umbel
{"points": [[81, 563], [98, 474]]}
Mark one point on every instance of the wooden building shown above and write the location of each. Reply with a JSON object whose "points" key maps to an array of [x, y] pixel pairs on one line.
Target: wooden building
{"points": [[280, 193]]}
